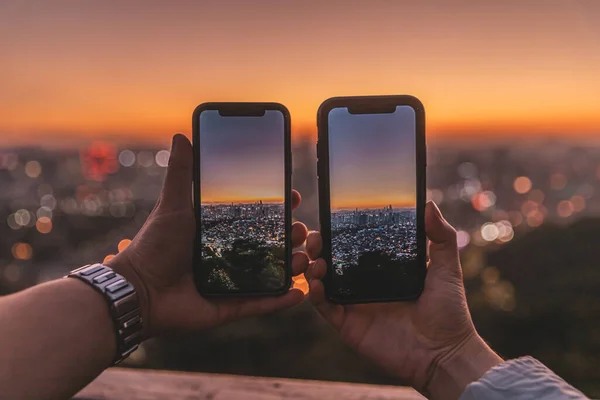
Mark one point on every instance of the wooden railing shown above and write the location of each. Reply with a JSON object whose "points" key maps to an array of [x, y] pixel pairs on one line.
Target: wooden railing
{"points": [[130, 384]]}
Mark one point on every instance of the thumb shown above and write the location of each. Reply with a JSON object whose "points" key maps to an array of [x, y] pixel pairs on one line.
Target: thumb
{"points": [[177, 187], [443, 249]]}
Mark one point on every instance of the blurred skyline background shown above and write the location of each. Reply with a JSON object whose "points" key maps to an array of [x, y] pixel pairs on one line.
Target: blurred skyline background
{"points": [[91, 93]]}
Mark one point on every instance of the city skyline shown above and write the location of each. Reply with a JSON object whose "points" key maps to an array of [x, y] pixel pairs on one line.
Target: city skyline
{"points": [[484, 70], [372, 159]]}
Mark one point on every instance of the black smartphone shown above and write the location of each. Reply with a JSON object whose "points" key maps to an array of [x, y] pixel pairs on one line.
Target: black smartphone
{"points": [[371, 170], [242, 198]]}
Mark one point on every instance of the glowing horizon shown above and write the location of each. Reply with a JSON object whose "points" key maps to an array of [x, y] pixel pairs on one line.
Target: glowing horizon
{"points": [[484, 70], [269, 201]]}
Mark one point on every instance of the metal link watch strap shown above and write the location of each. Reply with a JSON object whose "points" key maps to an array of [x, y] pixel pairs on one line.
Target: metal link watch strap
{"points": [[123, 303]]}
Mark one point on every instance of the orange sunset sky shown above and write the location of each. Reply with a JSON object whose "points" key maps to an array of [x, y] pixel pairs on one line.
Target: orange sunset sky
{"points": [[134, 70]]}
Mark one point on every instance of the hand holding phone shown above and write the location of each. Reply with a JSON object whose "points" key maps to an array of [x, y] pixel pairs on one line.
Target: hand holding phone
{"points": [[159, 261], [431, 342]]}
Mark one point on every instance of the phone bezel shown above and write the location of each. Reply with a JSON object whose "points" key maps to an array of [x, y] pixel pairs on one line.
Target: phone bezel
{"points": [[242, 109], [374, 104]]}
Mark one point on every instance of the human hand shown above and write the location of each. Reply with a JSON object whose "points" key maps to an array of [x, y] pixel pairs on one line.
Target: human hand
{"points": [[430, 342], [158, 262]]}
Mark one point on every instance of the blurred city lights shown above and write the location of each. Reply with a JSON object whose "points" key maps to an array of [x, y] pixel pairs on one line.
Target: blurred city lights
{"points": [[21, 251], [565, 209], [99, 160], [44, 189], [586, 190], [145, 159], [489, 232], [490, 275], [162, 158], [12, 273], [558, 181], [578, 203], [535, 219], [529, 207], [33, 169], [484, 200], [505, 231], [515, 218], [44, 225], [127, 158], [536, 195], [522, 184], [123, 244], [12, 222], [9, 161], [108, 258], [44, 212], [463, 239], [48, 201], [22, 217]]}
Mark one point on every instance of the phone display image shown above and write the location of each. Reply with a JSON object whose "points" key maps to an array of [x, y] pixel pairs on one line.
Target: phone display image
{"points": [[373, 203], [242, 202]]}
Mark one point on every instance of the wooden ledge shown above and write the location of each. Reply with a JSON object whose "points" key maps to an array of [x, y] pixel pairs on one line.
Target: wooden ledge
{"points": [[134, 384]]}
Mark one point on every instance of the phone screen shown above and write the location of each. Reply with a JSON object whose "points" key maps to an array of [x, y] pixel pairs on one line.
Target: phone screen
{"points": [[373, 203], [242, 202]]}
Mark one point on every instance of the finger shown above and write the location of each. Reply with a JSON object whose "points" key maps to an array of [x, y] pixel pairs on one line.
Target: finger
{"points": [[299, 263], [313, 245], [296, 199], [299, 234], [177, 188], [266, 305], [332, 313], [443, 249], [318, 269]]}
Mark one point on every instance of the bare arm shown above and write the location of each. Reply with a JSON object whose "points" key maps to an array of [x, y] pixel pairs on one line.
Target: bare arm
{"points": [[56, 338]]}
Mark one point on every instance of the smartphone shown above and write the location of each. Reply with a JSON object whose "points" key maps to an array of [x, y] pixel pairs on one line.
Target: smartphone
{"points": [[371, 170], [242, 198]]}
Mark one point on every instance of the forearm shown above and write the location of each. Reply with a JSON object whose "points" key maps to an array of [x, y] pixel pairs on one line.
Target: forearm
{"points": [[468, 364], [55, 338]]}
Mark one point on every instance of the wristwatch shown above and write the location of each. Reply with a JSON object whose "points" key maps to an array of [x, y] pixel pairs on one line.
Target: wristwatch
{"points": [[123, 303]]}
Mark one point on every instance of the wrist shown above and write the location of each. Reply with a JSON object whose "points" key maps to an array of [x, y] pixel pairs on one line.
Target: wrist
{"points": [[121, 265], [457, 369]]}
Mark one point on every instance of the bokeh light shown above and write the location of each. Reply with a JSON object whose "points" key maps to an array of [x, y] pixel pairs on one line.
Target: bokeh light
{"points": [[536, 195], [127, 158], [300, 282], [463, 239], [48, 201], [44, 225], [578, 203], [22, 217], [33, 169], [108, 258], [565, 209], [145, 159], [44, 212], [162, 158], [22, 251], [522, 184], [123, 244], [535, 219], [489, 232]]}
